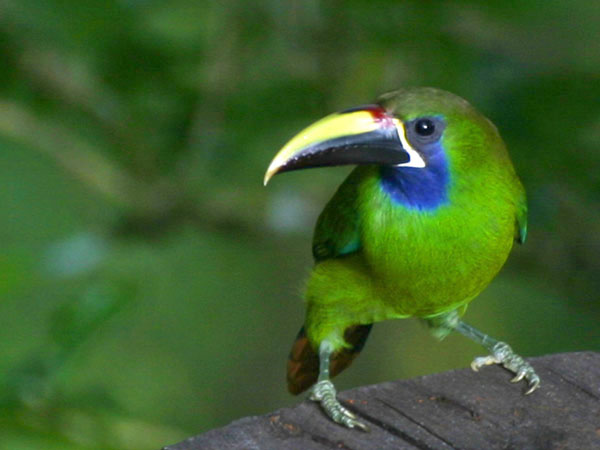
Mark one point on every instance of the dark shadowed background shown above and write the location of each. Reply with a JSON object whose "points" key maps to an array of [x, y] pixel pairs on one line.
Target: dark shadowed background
{"points": [[150, 285]]}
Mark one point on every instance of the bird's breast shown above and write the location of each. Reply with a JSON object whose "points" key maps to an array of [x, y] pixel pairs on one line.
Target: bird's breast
{"points": [[429, 261]]}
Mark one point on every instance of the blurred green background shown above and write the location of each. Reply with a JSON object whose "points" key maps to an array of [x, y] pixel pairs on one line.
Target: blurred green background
{"points": [[150, 285]]}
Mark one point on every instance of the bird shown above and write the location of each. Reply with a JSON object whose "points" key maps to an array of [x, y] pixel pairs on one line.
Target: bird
{"points": [[419, 228]]}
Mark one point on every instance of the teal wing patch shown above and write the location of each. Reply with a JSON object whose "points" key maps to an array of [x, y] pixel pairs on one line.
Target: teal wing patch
{"points": [[338, 230], [521, 228]]}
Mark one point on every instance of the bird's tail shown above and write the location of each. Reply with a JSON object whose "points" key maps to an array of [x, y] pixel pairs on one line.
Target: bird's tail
{"points": [[303, 362]]}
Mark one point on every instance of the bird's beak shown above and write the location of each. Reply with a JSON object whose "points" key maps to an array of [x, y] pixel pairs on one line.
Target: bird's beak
{"points": [[363, 135]]}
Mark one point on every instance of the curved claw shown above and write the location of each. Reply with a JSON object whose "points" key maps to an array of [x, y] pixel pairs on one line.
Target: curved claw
{"points": [[361, 426], [534, 383], [348, 419], [324, 393], [519, 376], [503, 354], [481, 361], [348, 413]]}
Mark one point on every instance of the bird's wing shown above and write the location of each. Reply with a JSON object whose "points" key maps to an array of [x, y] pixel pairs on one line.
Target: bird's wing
{"points": [[337, 231], [521, 228]]}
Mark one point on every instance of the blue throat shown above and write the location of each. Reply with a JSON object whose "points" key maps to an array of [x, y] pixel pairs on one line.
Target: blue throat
{"points": [[421, 189]]}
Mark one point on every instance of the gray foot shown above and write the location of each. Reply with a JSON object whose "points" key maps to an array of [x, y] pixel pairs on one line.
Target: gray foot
{"points": [[503, 354], [324, 393]]}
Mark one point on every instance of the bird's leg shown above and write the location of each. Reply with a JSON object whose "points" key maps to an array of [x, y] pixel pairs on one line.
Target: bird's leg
{"points": [[500, 353], [324, 392]]}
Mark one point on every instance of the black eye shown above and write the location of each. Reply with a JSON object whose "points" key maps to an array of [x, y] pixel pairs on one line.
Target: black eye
{"points": [[425, 131], [424, 127]]}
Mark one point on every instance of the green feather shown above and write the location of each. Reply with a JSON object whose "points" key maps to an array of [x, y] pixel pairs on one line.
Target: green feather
{"points": [[337, 230], [400, 262], [521, 233]]}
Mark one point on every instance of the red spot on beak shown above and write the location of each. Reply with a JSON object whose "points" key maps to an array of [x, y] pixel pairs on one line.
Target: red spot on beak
{"points": [[379, 114]]}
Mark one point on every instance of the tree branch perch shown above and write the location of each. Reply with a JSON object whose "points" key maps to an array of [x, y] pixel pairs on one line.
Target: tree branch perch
{"points": [[458, 409]]}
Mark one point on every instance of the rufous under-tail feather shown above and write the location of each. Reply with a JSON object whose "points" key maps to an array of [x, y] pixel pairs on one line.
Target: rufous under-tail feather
{"points": [[303, 361]]}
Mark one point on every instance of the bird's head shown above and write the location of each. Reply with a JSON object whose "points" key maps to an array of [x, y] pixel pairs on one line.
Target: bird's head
{"points": [[403, 129]]}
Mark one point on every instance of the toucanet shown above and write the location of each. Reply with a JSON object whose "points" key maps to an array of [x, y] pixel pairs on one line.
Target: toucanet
{"points": [[418, 229]]}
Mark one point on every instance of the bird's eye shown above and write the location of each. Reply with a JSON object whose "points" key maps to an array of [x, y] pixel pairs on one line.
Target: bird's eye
{"points": [[424, 131], [424, 127]]}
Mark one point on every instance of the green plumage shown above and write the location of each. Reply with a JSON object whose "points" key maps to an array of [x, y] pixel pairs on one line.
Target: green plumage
{"points": [[418, 229], [404, 262]]}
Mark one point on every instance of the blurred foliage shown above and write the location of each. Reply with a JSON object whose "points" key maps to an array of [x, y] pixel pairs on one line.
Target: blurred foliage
{"points": [[150, 284]]}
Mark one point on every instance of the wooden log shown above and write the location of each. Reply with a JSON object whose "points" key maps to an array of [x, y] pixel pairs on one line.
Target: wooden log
{"points": [[459, 409]]}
